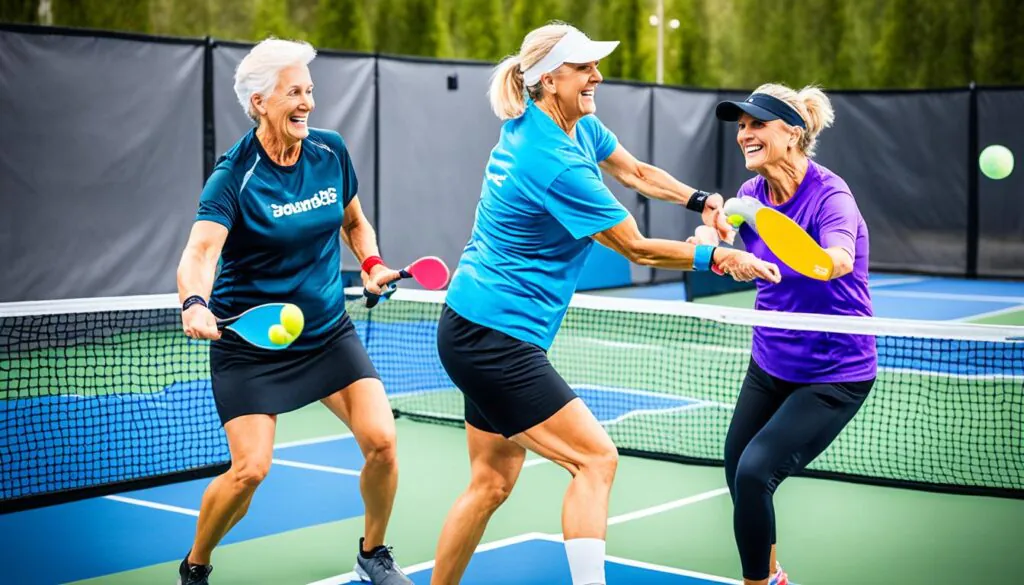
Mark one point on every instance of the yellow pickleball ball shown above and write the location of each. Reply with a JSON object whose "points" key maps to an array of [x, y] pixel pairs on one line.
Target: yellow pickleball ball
{"points": [[292, 320], [735, 220], [996, 161], [279, 335]]}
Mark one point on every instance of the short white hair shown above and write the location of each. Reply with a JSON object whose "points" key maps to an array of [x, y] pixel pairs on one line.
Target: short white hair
{"points": [[259, 70]]}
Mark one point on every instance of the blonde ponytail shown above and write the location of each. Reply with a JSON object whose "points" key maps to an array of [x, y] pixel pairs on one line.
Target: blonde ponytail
{"points": [[506, 91], [818, 114], [813, 106]]}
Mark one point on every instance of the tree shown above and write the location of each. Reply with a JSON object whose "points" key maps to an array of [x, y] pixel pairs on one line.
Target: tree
{"points": [[622, 20], [428, 28], [530, 14], [998, 52], [190, 18], [19, 11], [129, 15], [342, 24], [688, 44], [390, 27], [270, 18], [477, 28]]}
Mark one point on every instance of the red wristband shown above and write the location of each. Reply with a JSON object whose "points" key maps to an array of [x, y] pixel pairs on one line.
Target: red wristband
{"points": [[370, 262], [714, 267]]}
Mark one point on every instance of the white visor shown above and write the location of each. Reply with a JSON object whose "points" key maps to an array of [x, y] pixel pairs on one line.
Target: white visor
{"points": [[574, 47]]}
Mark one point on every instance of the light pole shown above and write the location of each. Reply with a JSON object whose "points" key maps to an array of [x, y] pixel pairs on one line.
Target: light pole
{"points": [[658, 20]]}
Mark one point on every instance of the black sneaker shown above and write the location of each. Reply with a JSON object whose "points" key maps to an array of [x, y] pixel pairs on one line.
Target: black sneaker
{"points": [[189, 574], [381, 568]]}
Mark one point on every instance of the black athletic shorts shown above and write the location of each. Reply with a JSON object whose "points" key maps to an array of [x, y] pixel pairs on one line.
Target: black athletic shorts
{"points": [[251, 380], [508, 385]]}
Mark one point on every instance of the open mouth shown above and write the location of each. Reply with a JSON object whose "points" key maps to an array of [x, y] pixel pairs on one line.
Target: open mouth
{"points": [[588, 93], [753, 148], [298, 120]]}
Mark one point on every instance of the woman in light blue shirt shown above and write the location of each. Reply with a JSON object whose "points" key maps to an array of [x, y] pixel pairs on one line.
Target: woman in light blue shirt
{"points": [[543, 204]]}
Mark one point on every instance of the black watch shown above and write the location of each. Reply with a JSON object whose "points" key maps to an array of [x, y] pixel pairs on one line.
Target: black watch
{"points": [[192, 300], [697, 201]]}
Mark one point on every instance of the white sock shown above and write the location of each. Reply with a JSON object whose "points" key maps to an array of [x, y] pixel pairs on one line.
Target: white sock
{"points": [[586, 560]]}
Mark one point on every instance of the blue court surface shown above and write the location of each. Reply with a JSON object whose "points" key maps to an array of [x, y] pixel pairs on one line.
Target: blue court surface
{"points": [[539, 559], [106, 531]]}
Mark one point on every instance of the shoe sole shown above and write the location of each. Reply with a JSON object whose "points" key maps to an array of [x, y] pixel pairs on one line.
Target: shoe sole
{"points": [[363, 576]]}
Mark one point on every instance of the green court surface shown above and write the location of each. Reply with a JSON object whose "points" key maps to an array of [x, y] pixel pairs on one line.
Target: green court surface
{"points": [[830, 532], [657, 386]]}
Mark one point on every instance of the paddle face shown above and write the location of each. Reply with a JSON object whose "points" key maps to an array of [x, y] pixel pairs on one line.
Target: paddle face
{"points": [[793, 246], [430, 272], [255, 324]]}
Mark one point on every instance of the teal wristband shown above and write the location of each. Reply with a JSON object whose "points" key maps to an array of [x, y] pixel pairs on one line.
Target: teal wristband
{"points": [[702, 257]]}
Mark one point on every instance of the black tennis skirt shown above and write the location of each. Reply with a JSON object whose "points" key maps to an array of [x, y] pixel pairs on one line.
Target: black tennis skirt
{"points": [[508, 385], [250, 380]]}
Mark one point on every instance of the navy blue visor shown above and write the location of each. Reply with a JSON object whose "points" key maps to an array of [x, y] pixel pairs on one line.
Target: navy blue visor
{"points": [[762, 107]]}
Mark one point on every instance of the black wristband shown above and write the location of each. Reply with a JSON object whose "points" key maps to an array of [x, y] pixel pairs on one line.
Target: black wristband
{"points": [[192, 300], [697, 200]]}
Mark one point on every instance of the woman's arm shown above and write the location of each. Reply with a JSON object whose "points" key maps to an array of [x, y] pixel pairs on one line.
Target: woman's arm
{"points": [[842, 261], [656, 183], [626, 239], [196, 271], [838, 221], [360, 237]]}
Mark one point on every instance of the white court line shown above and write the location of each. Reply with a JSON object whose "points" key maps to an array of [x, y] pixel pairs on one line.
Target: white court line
{"points": [[351, 576], [651, 566], [154, 505], [618, 344], [667, 506], [282, 462], [631, 391], [314, 467], [897, 281], [314, 441], [638, 412], [987, 314], [671, 570], [643, 513], [948, 296]]}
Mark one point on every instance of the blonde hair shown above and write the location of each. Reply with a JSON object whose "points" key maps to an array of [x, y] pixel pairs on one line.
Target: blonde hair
{"points": [[813, 106], [259, 70], [507, 86]]}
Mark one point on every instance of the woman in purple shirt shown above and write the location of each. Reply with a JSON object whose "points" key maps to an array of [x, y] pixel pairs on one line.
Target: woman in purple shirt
{"points": [[801, 388]]}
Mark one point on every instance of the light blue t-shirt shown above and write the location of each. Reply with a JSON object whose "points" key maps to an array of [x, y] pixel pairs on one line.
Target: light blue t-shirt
{"points": [[283, 243], [541, 200]]}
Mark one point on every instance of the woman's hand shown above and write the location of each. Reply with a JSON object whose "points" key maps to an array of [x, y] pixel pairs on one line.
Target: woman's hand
{"points": [[704, 235], [199, 323], [380, 276], [714, 217], [744, 266]]}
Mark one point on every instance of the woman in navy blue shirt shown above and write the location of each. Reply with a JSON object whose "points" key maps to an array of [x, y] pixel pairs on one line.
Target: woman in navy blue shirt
{"points": [[272, 212]]}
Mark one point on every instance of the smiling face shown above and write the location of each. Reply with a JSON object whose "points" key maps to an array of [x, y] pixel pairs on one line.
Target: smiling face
{"points": [[764, 143], [285, 112], [574, 86]]}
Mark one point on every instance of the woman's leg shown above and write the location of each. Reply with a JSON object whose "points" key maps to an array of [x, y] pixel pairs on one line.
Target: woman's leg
{"points": [[760, 397], [495, 463], [806, 423], [574, 439], [226, 499], [365, 409]]}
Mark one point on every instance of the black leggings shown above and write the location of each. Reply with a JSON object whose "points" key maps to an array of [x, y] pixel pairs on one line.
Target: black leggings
{"points": [[778, 428]]}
